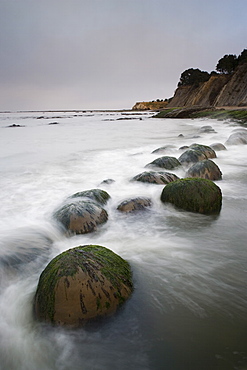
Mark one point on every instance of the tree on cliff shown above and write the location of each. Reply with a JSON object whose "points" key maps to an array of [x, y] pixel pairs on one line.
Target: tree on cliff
{"points": [[242, 58], [193, 77], [227, 64]]}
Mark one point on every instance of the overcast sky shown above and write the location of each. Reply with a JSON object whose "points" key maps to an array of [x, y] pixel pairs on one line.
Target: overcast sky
{"points": [[108, 54]]}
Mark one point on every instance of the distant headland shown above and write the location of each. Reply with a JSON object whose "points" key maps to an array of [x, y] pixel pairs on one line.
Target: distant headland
{"points": [[200, 93]]}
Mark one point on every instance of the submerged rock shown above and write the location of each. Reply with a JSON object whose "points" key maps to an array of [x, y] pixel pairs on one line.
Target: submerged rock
{"points": [[134, 204], [154, 177], [206, 129], [97, 195], [81, 284], [218, 146], [166, 162], [81, 216], [193, 195], [237, 138], [163, 149], [206, 169]]}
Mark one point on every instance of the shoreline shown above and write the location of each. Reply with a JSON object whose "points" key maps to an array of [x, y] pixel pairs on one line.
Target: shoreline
{"points": [[237, 114]]}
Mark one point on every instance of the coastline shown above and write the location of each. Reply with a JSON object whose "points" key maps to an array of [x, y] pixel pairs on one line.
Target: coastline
{"points": [[237, 114]]}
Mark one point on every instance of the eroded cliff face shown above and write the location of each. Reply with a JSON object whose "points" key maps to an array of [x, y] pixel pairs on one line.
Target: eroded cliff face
{"points": [[219, 90], [155, 105]]}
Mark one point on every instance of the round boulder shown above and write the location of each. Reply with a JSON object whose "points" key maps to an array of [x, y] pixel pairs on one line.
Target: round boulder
{"points": [[217, 146], [97, 195], [206, 170], [135, 204], [165, 162], [204, 149], [153, 177], [237, 138], [164, 149], [193, 195], [191, 156], [82, 284], [81, 216]]}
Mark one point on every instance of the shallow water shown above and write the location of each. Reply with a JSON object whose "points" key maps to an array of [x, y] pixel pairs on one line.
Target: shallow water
{"points": [[188, 310]]}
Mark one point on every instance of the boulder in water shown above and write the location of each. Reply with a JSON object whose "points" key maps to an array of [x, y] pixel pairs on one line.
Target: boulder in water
{"points": [[206, 150], [82, 284], [134, 204], [81, 216], [164, 149], [154, 177], [217, 146], [97, 195], [237, 138], [166, 162], [193, 195], [206, 169], [191, 156]]}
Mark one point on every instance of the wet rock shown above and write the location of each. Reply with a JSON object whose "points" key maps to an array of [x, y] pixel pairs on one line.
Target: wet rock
{"points": [[82, 284], [15, 125], [154, 177], [107, 182], [166, 162], [217, 146], [193, 195], [183, 147], [25, 245], [97, 195], [163, 149], [134, 204], [206, 150], [191, 156], [206, 129], [237, 138], [81, 217], [206, 169]]}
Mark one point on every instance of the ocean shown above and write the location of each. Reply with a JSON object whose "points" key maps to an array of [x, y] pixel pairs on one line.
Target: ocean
{"points": [[189, 307]]}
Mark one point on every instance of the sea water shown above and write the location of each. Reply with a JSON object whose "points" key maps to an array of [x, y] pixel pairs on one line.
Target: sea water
{"points": [[189, 306]]}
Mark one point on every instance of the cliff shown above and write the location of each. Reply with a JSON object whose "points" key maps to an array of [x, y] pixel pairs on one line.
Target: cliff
{"points": [[154, 105], [219, 90]]}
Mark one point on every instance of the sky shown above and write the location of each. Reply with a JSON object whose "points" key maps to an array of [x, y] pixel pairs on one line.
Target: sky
{"points": [[109, 54]]}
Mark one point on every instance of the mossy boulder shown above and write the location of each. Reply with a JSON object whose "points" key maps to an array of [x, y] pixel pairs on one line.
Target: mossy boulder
{"points": [[204, 149], [82, 284], [165, 162], [97, 195], [134, 204], [154, 177], [206, 169], [194, 195], [81, 216]]}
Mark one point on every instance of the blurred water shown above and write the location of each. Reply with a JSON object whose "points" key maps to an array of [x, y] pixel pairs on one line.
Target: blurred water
{"points": [[188, 310]]}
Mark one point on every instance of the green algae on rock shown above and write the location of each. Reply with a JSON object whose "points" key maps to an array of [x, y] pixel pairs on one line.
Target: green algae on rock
{"points": [[81, 284], [193, 195]]}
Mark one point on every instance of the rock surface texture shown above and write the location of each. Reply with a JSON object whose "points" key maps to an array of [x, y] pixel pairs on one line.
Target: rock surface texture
{"points": [[206, 170], [193, 195], [82, 284], [135, 204]]}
